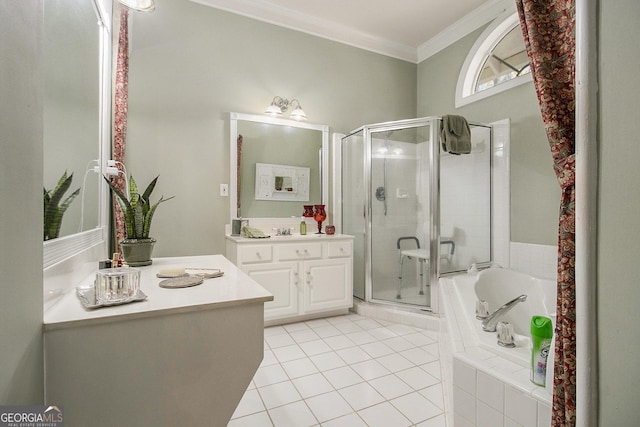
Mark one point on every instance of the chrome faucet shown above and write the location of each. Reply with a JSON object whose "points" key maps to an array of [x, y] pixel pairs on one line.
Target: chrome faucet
{"points": [[489, 324]]}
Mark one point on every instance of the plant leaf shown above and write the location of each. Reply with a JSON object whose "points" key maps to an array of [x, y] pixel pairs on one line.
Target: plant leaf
{"points": [[149, 216]]}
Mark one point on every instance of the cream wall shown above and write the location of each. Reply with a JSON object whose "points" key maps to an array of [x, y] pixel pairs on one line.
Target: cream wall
{"points": [[21, 360], [535, 193], [619, 214], [190, 64]]}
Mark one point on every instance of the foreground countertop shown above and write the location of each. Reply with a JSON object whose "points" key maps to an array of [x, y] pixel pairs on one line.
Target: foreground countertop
{"points": [[233, 288]]}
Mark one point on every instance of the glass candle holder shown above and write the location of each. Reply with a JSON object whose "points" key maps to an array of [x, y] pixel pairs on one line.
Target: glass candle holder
{"points": [[114, 285]]}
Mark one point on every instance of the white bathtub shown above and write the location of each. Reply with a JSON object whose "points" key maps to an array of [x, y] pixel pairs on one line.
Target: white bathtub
{"points": [[491, 383]]}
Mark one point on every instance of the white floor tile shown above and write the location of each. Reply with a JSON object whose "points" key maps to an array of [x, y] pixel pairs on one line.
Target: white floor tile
{"points": [[293, 414], [416, 407], [353, 355], [377, 349], [349, 420], [291, 327], [251, 403], [269, 375], [438, 421], [434, 368], [418, 356], [367, 324], [261, 419], [327, 361], [346, 371], [280, 340], [417, 378], [370, 369], [304, 335], [395, 362], [299, 368], [315, 323], [419, 339], [342, 377], [383, 415], [361, 396], [312, 385], [269, 358], [361, 337], [279, 394], [311, 348], [382, 333], [399, 343], [347, 327], [328, 406], [339, 342], [326, 331], [390, 386], [289, 352], [274, 330], [435, 394]]}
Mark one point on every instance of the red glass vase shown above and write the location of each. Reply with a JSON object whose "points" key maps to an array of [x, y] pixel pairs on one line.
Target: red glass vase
{"points": [[319, 215], [308, 211]]}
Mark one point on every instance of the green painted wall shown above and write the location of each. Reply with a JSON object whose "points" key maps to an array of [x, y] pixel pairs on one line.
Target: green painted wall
{"points": [[535, 193], [21, 104], [191, 64], [619, 214]]}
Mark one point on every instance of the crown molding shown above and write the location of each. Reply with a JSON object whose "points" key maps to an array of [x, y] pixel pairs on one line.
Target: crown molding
{"points": [[464, 26], [323, 28], [283, 17]]}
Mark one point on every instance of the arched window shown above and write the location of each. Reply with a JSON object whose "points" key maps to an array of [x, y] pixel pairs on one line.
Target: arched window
{"points": [[497, 62]]}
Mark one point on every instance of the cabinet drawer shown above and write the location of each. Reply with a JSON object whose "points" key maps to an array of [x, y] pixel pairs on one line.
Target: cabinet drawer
{"points": [[299, 251], [340, 249], [256, 253]]}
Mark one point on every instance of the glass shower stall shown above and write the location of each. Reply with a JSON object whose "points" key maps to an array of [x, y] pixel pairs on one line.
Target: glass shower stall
{"points": [[416, 211]]}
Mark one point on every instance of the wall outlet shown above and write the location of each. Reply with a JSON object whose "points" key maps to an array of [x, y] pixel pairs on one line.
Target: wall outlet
{"points": [[224, 190]]}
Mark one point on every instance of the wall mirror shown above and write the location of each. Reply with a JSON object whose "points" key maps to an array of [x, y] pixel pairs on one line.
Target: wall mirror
{"points": [[76, 63], [295, 152]]}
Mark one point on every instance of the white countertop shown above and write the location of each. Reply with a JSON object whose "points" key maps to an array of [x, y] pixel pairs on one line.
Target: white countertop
{"points": [[310, 237], [233, 288]]}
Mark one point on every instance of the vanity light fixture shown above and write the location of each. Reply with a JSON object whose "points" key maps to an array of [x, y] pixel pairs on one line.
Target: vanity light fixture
{"points": [[139, 5], [280, 105]]}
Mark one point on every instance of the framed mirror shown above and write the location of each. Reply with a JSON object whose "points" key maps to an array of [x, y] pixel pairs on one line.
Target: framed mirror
{"points": [[76, 64], [277, 166]]}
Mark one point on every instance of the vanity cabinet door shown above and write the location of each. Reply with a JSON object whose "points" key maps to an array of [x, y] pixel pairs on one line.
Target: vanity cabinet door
{"points": [[282, 280], [328, 285]]}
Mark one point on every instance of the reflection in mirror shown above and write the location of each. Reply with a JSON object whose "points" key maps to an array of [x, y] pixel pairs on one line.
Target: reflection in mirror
{"points": [[277, 166], [71, 46], [76, 70]]}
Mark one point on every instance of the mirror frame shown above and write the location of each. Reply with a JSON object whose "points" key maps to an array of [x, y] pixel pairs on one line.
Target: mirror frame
{"points": [[233, 152], [65, 247]]}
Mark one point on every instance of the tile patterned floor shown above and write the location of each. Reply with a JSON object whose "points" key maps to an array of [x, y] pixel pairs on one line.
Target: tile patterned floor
{"points": [[345, 371]]}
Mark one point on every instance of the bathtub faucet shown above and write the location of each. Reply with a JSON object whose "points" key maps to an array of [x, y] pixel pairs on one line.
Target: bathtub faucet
{"points": [[489, 324]]}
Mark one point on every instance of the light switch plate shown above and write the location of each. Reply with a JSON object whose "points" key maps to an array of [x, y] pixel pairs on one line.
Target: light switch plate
{"points": [[224, 190]]}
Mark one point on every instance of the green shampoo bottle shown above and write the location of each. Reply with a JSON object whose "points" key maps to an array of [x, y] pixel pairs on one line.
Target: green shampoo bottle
{"points": [[541, 335]]}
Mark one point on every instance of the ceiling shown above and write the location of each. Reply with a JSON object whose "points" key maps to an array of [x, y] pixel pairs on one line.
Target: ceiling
{"points": [[410, 30]]}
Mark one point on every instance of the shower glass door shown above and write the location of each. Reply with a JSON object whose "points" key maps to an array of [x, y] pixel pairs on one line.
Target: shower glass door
{"points": [[399, 214], [354, 203]]}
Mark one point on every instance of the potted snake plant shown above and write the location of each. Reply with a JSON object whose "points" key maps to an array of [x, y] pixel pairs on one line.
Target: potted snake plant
{"points": [[138, 213], [53, 209]]}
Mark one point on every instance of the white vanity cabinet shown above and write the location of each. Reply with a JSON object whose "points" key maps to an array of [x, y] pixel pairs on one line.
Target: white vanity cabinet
{"points": [[307, 275]]}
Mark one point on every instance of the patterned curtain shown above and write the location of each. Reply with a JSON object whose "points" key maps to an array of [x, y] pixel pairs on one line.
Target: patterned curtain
{"points": [[548, 27], [121, 104]]}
